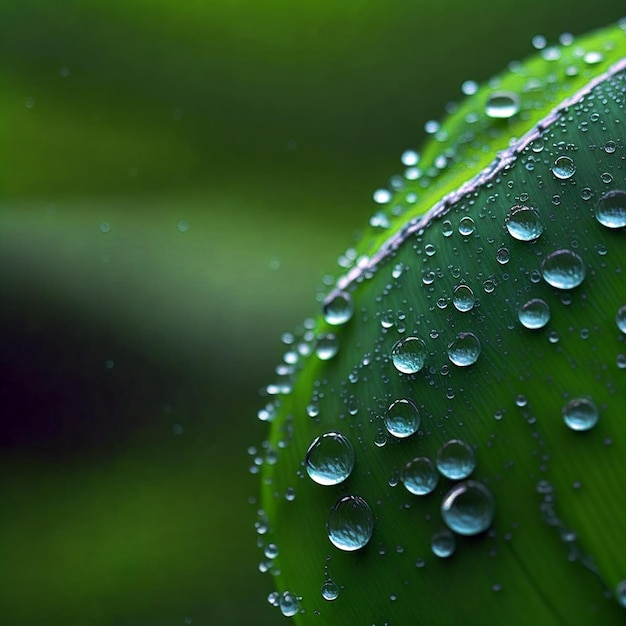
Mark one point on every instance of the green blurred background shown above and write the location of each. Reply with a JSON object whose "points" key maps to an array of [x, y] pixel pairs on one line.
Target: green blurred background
{"points": [[176, 178]]}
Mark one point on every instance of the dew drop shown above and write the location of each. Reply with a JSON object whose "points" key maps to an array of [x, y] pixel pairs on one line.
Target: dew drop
{"points": [[329, 459], [410, 158], [524, 223], [327, 347], [502, 104], [563, 269], [611, 209], [466, 226], [503, 256], [330, 591], [409, 355], [620, 318], [463, 298], [468, 508], [382, 196], [350, 523], [339, 309], [620, 593], [443, 543], [581, 414], [402, 419], [564, 168], [534, 314], [419, 476], [288, 604], [455, 459], [446, 228], [464, 350]]}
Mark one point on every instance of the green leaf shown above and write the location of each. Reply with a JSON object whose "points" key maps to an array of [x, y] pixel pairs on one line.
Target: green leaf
{"points": [[515, 208]]}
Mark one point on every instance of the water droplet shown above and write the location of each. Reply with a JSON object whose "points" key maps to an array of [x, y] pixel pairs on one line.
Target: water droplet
{"points": [[455, 459], [503, 255], [563, 269], [288, 604], [327, 347], [410, 158], [502, 104], [620, 319], [330, 591], [329, 459], [620, 593], [409, 355], [593, 57], [466, 226], [339, 309], [463, 298], [534, 314], [469, 87], [350, 523], [564, 168], [468, 508], [443, 543], [419, 476], [611, 209], [524, 223], [382, 196], [606, 177], [402, 418], [182, 226], [581, 414], [464, 350], [610, 147]]}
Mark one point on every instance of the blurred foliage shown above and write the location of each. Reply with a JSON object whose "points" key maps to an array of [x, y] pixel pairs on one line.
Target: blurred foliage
{"points": [[133, 346]]}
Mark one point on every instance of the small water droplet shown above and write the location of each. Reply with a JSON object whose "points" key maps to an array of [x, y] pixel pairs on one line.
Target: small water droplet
{"points": [[288, 604], [382, 196], [563, 269], [620, 593], [620, 318], [419, 476], [339, 309], [409, 355], [329, 459], [606, 177], [327, 347], [463, 298], [611, 209], [564, 168], [581, 414], [524, 223], [464, 350], [330, 591], [402, 418], [466, 226], [410, 158], [610, 147], [502, 104], [350, 523], [468, 508], [182, 226], [469, 87], [503, 255], [443, 543], [455, 459], [593, 57], [534, 314]]}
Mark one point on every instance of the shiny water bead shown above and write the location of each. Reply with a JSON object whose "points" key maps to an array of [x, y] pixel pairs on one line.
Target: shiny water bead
{"points": [[455, 459], [620, 318], [464, 350], [534, 314], [611, 209], [409, 355], [329, 459], [339, 309], [523, 223], [463, 298], [468, 508], [564, 168], [419, 476], [563, 269], [350, 523], [288, 604], [330, 591], [402, 418], [466, 226], [443, 543], [410, 158], [620, 593], [581, 414], [327, 347], [502, 104]]}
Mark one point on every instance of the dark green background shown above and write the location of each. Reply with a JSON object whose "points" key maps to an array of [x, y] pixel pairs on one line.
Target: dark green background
{"points": [[132, 359]]}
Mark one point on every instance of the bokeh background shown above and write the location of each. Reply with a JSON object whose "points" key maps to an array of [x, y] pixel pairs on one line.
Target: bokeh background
{"points": [[176, 178]]}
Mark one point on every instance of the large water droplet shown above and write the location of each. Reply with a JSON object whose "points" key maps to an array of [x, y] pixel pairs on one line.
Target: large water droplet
{"points": [[463, 298], [443, 543], [402, 418], [409, 355], [329, 459], [524, 223], [502, 104], [564, 168], [455, 459], [620, 319], [563, 269], [468, 508], [330, 591], [611, 209], [339, 309], [419, 476], [581, 414], [534, 314], [464, 350], [288, 604], [350, 523], [327, 347]]}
